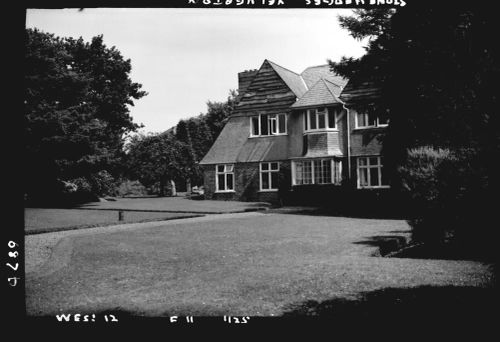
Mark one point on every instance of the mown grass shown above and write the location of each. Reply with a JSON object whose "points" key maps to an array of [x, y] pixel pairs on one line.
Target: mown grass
{"points": [[260, 265], [45, 220]]}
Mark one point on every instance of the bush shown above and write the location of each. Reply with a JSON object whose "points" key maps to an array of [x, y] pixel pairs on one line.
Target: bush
{"points": [[131, 188], [102, 184], [447, 196]]}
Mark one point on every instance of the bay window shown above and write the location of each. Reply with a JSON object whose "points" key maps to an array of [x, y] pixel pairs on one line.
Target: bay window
{"points": [[317, 171], [320, 119]]}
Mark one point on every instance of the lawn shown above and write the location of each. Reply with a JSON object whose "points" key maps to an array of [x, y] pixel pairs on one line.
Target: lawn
{"points": [[239, 264], [178, 204], [43, 220]]}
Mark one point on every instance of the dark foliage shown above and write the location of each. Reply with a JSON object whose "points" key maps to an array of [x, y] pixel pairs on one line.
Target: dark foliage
{"points": [[425, 304], [76, 112], [436, 69], [200, 132], [157, 159]]}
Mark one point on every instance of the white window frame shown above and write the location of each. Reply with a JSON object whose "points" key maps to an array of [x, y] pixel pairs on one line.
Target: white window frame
{"points": [[271, 118], [317, 112], [377, 121], [226, 172], [379, 166], [267, 173], [335, 169]]}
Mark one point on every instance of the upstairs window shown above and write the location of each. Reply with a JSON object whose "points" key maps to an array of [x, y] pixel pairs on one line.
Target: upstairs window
{"points": [[224, 178], [268, 124], [320, 119], [370, 119]]}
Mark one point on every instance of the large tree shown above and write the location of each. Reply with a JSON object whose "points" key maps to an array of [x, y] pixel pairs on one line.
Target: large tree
{"points": [[158, 159], [436, 69], [200, 132], [77, 98]]}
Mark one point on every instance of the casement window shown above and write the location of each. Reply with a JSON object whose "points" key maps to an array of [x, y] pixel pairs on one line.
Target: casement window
{"points": [[269, 176], [370, 119], [320, 119], [268, 124], [370, 173], [224, 178], [317, 171]]}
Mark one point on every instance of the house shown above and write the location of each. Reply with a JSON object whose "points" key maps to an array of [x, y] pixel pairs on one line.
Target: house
{"points": [[288, 130]]}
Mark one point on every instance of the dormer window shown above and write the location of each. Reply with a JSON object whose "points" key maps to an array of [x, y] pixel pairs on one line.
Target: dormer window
{"points": [[267, 124], [370, 119], [320, 119]]}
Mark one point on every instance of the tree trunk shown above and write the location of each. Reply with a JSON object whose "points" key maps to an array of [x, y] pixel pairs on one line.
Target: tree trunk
{"points": [[188, 186]]}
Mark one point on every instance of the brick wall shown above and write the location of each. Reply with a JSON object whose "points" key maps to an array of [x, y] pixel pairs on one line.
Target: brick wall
{"points": [[246, 178]]}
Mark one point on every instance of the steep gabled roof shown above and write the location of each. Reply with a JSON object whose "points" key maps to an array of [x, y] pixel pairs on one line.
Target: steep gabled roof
{"points": [[312, 74], [293, 80], [323, 92]]}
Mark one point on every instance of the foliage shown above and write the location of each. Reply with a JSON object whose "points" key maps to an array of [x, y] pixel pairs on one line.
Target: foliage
{"points": [[158, 158], [199, 133], [447, 192], [130, 188], [76, 102], [436, 69]]}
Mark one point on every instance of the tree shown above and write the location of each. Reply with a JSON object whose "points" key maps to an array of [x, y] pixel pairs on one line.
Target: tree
{"points": [[437, 70], [199, 133], [76, 109], [158, 159]]}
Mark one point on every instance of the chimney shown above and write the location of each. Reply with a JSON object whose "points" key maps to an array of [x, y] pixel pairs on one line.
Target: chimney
{"points": [[244, 80]]}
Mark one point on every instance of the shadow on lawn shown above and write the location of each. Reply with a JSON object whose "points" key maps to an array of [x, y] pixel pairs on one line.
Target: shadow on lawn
{"points": [[425, 302], [385, 243]]}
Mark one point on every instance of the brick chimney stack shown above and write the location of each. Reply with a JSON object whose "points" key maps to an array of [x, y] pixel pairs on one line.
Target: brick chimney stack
{"points": [[244, 80]]}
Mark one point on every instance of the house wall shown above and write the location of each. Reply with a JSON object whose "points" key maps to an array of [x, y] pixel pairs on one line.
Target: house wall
{"points": [[365, 141], [247, 183]]}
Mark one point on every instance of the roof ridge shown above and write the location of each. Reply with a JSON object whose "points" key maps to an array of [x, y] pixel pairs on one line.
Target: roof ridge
{"points": [[309, 89], [316, 66], [335, 84], [324, 81], [284, 68]]}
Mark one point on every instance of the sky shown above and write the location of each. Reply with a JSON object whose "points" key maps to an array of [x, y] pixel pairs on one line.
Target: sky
{"points": [[186, 57]]}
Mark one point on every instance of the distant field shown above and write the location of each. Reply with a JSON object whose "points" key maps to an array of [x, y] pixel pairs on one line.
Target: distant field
{"points": [[43, 220]]}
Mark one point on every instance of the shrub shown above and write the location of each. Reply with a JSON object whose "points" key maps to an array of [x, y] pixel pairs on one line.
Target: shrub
{"points": [[102, 183], [131, 188], [446, 191]]}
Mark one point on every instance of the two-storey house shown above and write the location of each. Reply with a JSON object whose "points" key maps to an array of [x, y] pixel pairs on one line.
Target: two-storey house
{"points": [[305, 129]]}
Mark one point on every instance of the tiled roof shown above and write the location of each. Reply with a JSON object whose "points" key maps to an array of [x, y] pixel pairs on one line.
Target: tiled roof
{"points": [[293, 80], [359, 92], [322, 93], [312, 74], [233, 145]]}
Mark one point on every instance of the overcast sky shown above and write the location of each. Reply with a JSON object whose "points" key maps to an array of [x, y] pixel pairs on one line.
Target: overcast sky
{"points": [[185, 57]]}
